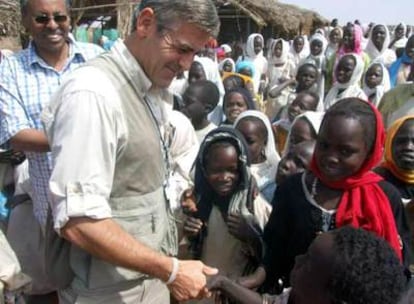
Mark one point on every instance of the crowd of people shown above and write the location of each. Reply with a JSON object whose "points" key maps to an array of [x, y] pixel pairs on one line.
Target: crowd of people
{"points": [[169, 167]]}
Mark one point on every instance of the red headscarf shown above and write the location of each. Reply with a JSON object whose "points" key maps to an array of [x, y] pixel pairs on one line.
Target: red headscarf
{"points": [[363, 203]]}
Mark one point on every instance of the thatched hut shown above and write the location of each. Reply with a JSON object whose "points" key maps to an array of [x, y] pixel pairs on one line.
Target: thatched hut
{"points": [[10, 25], [270, 17]]}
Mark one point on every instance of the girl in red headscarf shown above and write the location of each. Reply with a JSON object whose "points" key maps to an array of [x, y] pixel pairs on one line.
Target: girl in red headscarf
{"points": [[339, 190]]}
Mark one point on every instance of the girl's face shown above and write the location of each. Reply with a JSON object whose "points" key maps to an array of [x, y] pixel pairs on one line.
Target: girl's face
{"points": [[403, 146], [227, 66], [295, 161], [301, 131], [298, 44], [222, 170], [335, 36], [278, 49], [373, 76], [345, 68], [312, 271], [235, 105], [306, 77], [196, 72], [255, 138], [399, 31], [378, 36], [348, 38], [341, 147], [193, 107], [316, 47], [302, 103], [257, 44]]}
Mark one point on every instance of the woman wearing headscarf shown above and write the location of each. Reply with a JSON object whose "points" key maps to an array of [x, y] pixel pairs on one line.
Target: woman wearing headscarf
{"points": [[401, 68], [399, 39], [377, 47], [258, 134], [335, 36]]}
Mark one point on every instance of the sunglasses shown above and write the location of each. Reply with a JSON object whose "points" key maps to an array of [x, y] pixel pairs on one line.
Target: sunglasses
{"points": [[43, 19]]}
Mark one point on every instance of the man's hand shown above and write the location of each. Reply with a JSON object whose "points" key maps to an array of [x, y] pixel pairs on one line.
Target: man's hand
{"points": [[191, 281]]}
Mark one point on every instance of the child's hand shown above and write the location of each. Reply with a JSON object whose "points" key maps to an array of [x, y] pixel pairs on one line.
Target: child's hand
{"points": [[188, 201], [240, 228], [192, 226], [253, 280]]}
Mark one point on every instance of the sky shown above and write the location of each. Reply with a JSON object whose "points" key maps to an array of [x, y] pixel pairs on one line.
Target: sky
{"points": [[378, 11]]}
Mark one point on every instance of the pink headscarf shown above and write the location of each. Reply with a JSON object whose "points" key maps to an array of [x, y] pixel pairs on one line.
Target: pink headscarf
{"points": [[358, 35]]}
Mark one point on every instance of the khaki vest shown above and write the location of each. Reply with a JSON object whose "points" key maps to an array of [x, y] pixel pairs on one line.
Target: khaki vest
{"points": [[137, 197]]}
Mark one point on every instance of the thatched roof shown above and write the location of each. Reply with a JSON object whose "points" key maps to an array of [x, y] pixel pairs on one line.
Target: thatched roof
{"points": [[287, 18], [9, 18]]}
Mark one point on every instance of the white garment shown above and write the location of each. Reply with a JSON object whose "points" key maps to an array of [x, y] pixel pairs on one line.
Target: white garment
{"points": [[203, 132], [84, 162], [385, 55], [400, 43], [350, 89], [298, 57], [380, 89], [259, 61], [280, 67]]}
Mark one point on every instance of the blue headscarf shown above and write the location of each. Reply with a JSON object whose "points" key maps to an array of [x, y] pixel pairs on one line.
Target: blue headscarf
{"points": [[241, 65], [395, 67]]}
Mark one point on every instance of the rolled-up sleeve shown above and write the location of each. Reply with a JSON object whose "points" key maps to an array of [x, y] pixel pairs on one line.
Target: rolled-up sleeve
{"points": [[86, 131]]}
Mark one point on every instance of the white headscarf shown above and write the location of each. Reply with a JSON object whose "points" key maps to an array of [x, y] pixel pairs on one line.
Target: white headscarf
{"points": [[265, 172], [270, 149], [224, 61], [400, 43], [385, 55], [259, 61], [285, 52], [298, 57], [226, 48], [314, 119], [380, 89], [250, 46], [351, 88]]}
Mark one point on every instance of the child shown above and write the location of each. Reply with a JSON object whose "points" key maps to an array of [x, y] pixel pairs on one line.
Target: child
{"points": [[305, 127], [401, 68], [227, 65], [340, 189], [299, 50], [346, 265], [235, 102], [348, 74], [335, 36], [304, 101], [317, 57], [254, 54], [376, 82], [200, 98], [306, 78], [281, 70], [203, 68], [296, 160], [224, 197], [256, 129]]}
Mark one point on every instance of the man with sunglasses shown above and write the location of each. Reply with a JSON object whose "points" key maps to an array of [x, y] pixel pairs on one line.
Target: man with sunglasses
{"points": [[27, 81], [110, 194]]}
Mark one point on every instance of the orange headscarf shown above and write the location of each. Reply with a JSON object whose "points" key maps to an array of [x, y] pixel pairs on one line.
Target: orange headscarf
{"points": [[406, 176]]}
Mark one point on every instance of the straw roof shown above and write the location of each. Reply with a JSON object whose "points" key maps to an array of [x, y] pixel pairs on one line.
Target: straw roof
{"points": [[9, 17], [287, 18]]}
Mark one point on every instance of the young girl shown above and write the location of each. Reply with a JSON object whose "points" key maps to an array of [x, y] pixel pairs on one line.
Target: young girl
{"points": [[254, 54], [376, 82], [235, 102], [377, 47], [256, 129], [299, 50], [317, 57], [227, 65], [346, 265], [339, 190], [348, 74], [224, 196], [335, 36], [281, 70]]}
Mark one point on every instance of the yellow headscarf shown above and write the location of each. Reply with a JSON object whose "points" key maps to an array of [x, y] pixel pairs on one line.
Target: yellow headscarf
{"points": [[406, 176]]}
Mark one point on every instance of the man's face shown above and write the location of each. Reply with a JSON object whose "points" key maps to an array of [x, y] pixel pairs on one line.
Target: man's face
{"points": [[170, 51], [48, 23]]}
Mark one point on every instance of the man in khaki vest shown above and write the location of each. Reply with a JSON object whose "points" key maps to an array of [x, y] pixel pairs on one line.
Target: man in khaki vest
{"points": [[108, 132]]}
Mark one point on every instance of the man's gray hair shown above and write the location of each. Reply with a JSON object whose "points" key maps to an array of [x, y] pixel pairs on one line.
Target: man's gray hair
{"points": [[202, 13], [24, 3]]}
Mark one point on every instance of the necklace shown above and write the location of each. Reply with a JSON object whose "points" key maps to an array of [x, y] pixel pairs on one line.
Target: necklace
{"points": [[313, 188]]}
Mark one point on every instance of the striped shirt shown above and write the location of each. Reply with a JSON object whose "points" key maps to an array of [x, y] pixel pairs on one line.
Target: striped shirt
{"points": [[27, 83]]}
